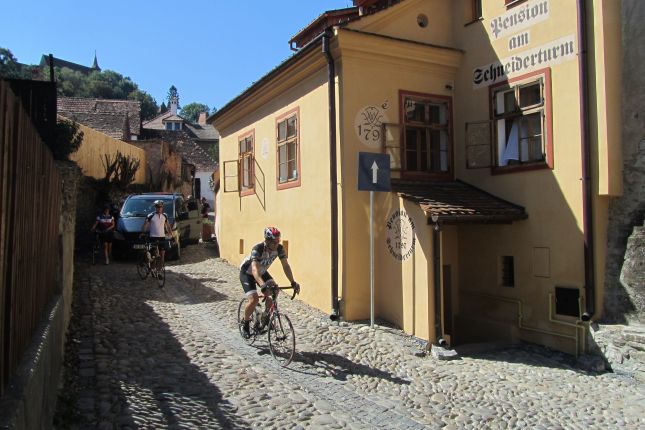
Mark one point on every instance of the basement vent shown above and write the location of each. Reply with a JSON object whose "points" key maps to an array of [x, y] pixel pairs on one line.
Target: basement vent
{"points": [[566, 301]]}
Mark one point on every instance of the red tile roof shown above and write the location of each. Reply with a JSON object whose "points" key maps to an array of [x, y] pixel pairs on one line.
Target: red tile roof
{"points": [[458, 202], [106, 116]]}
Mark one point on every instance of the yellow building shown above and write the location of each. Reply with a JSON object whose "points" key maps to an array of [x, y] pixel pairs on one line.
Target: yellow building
{"points": [[504, 144]]}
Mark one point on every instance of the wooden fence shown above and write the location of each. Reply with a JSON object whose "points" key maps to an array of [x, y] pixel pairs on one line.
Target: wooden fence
{"points": [[30, 188], [91, 155]]}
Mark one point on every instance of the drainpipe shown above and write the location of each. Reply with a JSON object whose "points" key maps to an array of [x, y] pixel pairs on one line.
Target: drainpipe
{"points": [[333, 174], [438, 286], [583, 78]]}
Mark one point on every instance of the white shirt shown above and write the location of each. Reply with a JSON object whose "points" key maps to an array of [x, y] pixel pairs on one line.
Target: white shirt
{"points": [[157, 222]]}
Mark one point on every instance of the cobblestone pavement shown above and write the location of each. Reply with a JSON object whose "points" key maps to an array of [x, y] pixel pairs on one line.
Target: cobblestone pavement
{"points": [[143, 357]]}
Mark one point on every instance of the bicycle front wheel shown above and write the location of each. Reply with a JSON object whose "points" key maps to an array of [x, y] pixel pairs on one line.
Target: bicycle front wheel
{"points": [[161, 273], [282, 339], [142, 266]]}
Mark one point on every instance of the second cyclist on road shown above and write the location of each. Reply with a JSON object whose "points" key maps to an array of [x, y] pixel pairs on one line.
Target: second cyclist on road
{"points": [[159, 227]]}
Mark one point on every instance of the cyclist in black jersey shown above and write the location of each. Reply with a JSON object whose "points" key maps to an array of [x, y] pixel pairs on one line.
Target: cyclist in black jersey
{"points": [[253, 272]]}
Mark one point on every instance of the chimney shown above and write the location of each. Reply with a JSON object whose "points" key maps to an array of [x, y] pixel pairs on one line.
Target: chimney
{"points": [[173, 106], [202, 118]]}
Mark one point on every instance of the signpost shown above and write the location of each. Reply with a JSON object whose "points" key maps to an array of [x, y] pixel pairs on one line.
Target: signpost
{"points": [[373, 175]]}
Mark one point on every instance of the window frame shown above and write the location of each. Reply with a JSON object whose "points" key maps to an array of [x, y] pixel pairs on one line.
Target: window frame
{"points": [[474, 14], [542, 76], [512, 3], [250, 154], [448, 127], [290, 183]]}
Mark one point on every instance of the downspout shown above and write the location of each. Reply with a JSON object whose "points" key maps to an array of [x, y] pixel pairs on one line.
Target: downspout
{"points": [[438, 286], [333, 174], [583, 78]]}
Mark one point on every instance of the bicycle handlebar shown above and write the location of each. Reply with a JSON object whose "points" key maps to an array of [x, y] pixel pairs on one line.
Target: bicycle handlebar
{"points": [[289, 288], [283, 288]]}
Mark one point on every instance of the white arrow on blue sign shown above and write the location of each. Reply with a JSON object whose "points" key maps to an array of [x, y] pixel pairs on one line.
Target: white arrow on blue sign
{"points": [[373, 171]]}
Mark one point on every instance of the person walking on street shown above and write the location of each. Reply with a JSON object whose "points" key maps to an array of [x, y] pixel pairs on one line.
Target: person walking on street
{"points": [[205, 207], [104, 224]]}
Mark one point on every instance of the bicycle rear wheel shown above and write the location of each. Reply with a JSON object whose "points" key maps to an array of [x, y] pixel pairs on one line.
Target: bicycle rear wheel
{"points": [[142, 266], [252, 324], [282, 339], [161, 272]]}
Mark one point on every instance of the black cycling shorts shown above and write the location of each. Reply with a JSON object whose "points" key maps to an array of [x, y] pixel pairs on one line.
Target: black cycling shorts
{"points": [[161, 242], [106, 236], [249, 284]]}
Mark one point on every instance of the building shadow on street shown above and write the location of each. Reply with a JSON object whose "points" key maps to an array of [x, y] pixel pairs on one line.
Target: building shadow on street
{"points": [[522, 353], [136, 373]]}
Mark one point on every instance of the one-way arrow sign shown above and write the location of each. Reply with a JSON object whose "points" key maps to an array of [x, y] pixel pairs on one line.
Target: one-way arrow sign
{"points": [[373, 171]]}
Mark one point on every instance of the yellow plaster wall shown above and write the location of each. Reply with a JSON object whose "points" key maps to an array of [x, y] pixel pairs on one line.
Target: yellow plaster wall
{"points": [[96, 145], [607, 82], [552, 198], [302, 213], [404, 294]]}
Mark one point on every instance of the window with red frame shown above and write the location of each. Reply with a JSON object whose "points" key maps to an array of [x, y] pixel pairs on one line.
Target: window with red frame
{"points": [[426, 137], [520, 124], [246, 161], [287, 147]]}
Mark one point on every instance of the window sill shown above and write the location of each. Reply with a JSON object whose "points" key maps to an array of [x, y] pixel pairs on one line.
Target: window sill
{"points": [[287, 185], [497, 170], [247, 192], [474, 21]]}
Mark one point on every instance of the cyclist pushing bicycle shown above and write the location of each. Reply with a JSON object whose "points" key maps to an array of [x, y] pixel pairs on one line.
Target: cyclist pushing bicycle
{"points": [[254, 271], [158, 222]]}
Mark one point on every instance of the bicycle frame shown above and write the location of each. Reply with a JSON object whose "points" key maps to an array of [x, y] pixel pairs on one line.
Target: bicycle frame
{"points": [[150, 262], [281, 336]]}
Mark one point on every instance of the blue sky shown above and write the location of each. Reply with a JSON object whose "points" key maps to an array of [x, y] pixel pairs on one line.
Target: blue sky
{"points": [[211, 50]]}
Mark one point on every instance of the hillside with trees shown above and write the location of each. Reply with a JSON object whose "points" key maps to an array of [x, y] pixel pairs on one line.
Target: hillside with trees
{"points": [[105, 84]]}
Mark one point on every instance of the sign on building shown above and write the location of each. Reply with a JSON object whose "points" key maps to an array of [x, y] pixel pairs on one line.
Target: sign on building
{"points": [[373, 171]]}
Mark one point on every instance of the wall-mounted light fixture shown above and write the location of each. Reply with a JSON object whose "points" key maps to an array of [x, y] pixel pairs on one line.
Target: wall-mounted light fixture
{"points": [[435, 219]]}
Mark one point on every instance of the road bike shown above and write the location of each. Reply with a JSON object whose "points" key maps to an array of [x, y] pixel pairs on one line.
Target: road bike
{"points": [[277, 325], [149, 262]]}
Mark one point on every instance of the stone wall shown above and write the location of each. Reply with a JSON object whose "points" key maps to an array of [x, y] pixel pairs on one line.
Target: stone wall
{"points": [[623, 304], [620, 337], [31, 396]]}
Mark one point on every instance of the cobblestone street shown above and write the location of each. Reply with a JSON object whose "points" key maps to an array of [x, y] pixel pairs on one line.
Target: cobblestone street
{"points": [[144, 357]]}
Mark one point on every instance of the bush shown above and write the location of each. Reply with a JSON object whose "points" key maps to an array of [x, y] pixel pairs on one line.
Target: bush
{"points": [[68, 139]]}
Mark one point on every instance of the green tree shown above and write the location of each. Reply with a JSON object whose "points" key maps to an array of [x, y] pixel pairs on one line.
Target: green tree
{"points": [[172, 93], [106, 84], [68, 139], [213, 151], [163, 108], [9, 66], [148, 104], [70, 83], [192, 110]]}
